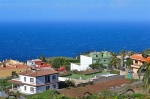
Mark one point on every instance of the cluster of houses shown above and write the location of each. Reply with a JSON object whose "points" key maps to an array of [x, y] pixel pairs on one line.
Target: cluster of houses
{"points": [[103, 57], [39, 76]]}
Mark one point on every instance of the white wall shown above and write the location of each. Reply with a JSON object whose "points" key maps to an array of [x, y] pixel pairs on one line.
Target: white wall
{"points": [[75, 67], [85, 61], [31, 63], [62, 78], [40, 80], [27, 79], [27, 91]]}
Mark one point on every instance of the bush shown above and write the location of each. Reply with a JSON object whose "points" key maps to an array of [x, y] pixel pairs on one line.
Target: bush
{"points": [[75, 71], [115, 72], [63, 74], [93, 72]]}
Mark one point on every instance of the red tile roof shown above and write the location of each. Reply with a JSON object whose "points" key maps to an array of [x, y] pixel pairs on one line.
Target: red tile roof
{"points": [[40, 72], [139, 57], [15, 82]]}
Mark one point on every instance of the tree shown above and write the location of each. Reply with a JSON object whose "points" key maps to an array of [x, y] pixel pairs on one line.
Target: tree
{"points": [[129, 62], [43, 58], [96, 66], [113, 60], [123, 53], [146, 78], [57, 62], [70, 83]]}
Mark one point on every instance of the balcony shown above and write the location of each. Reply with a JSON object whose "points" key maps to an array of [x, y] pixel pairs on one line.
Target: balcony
{"points": [[136, 66]]}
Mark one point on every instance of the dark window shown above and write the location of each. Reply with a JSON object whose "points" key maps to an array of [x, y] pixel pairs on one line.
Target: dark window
{"points": [[47, 87], [54, 86], [96, 55], [25, 88], [136, 62], [54, 76], [31, 80], [24, 79], [104, 60], [47, 78], [143, 62], [31, 89], [102, 55]]}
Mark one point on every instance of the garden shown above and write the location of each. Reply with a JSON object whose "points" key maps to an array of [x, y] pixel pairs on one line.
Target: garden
{"points": [[84, 75]]}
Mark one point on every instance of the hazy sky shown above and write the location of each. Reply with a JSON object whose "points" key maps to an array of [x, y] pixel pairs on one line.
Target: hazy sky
{"points": [[74, 10]]}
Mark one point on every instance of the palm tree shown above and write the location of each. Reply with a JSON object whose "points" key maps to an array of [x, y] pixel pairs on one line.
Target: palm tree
{"points": [[113, 60], [146, 78], [123, 53], [129, 62]]}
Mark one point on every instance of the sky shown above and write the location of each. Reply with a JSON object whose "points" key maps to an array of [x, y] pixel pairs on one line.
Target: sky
{"points": [[74, 10]]}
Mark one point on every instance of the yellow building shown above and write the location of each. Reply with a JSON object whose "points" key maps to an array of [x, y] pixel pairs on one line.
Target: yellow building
{"points": [[138, 61]]}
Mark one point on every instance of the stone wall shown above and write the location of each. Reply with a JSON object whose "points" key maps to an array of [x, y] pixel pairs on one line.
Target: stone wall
{"points": [[104, 79]]}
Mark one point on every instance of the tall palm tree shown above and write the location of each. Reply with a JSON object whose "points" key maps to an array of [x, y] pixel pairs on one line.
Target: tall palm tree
{"points": [[113, 60], [146, 78], [128, 62], [123, 53]]}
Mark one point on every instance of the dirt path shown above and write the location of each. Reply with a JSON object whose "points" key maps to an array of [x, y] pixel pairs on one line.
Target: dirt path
{"points": [[96, 88]]}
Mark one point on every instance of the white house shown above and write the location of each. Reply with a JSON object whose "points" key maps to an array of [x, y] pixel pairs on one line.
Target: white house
{"points": [[37, 63], [85, 61], [33, 62], [36, 81]]}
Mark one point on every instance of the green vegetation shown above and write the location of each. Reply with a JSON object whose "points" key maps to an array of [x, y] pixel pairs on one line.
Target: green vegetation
{"points": [[115, 72], [146, 78], [97, 65], [4, 84], [42, 57], [106, 94], [70, 83], [49, 94], [56, 62], [77, 76]]}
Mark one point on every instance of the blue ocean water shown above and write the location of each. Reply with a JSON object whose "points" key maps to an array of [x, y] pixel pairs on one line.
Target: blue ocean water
{"points": [[23, 41]]}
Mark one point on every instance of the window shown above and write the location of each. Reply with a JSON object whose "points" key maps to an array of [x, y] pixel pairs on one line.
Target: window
{"points": [[143, 62], [104, 60], [25, 88], [102, 55], [31, 89], [136, 62], [31, 80], [47, 87], [54, 76], [47, 78], [54, 86], [24, 79], [96, 55]]}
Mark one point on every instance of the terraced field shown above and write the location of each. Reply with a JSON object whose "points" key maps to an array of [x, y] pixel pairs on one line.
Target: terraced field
{"points": [[96, 88]]}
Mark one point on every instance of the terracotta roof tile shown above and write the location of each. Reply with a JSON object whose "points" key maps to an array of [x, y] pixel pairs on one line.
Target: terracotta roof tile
{"points": [[40, 72], [139, 57], [15, 82]]}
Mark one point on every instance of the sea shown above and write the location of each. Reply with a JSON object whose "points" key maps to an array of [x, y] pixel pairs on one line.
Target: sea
{"points": [[29, 40]]}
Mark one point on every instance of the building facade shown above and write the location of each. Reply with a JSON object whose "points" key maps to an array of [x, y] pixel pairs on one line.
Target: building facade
{"points": [[138, 61], [37, 63], [103, 57], [36, 81]]}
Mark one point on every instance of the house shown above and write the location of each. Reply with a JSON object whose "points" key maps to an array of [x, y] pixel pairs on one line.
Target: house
{"points": [[37, 63], [138, 61], [103, 57], [36, 81], [10, 63], [62, 69]]}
